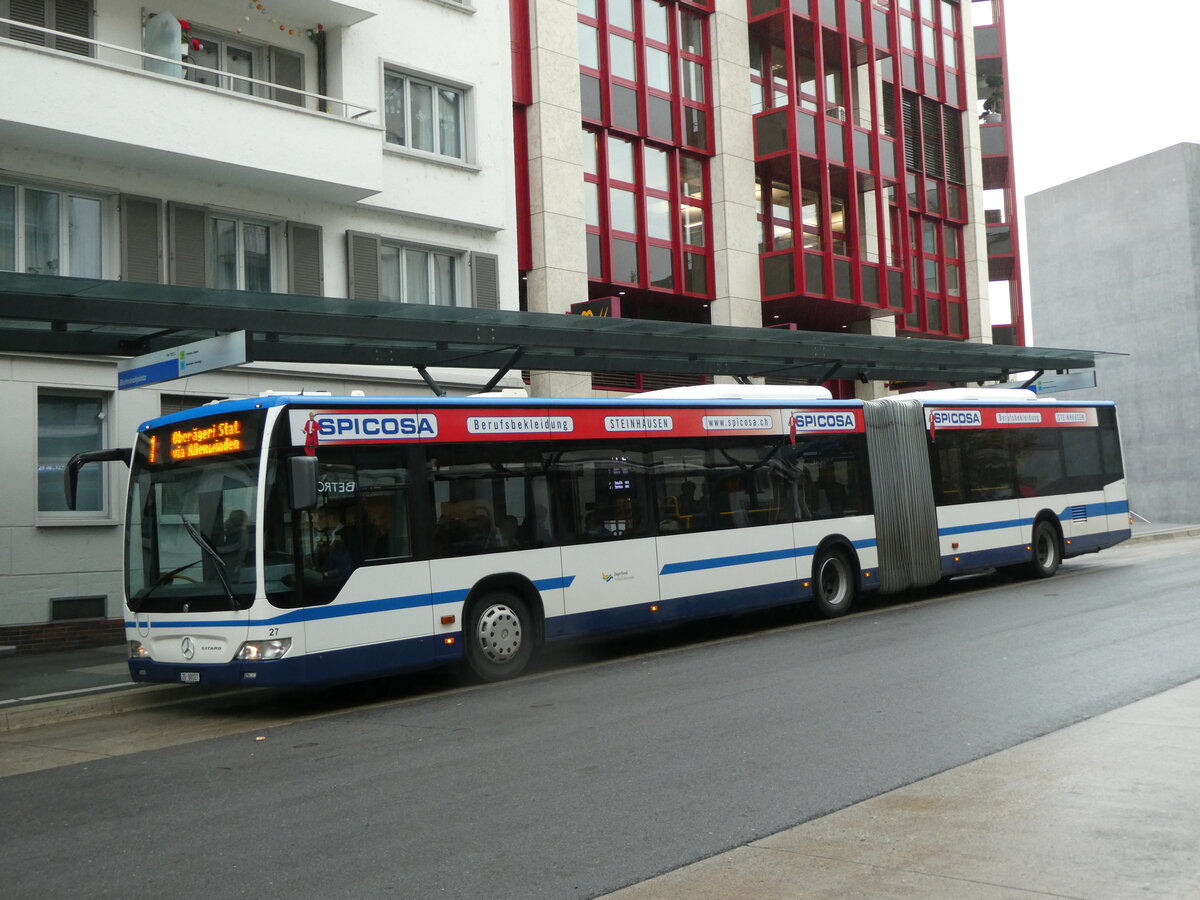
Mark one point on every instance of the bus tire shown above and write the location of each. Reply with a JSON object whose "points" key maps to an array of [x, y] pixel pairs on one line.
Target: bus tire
{"points": [[1047, 550], [499, 636], [833, 583]]}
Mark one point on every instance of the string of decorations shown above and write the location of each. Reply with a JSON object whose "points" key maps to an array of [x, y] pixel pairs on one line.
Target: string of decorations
{"points": [[259, 7], [195, 43]]}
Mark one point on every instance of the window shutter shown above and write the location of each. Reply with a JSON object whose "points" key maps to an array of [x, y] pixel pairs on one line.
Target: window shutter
{"points": [[73, 17], [287, 69], [305, 267], [362, 265], [485, 281], [141, 239], [954, 147], [912, 132], [931, 129], [889, 109], [32, 12], [189, 245]]}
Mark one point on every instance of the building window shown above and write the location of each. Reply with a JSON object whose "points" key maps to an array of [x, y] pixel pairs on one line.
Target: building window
{"points": [[424, 115], [69, 423], [67, 17], [413, 274], [646, 212], [222, 55], [48, 232], [239, 254]]}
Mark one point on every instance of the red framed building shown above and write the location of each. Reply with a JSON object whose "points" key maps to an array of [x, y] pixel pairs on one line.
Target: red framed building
{"points": [[1000, 199], [789, 163]]}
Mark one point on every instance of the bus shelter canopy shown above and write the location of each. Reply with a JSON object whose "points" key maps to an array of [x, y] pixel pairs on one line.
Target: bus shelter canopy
{"points": [[51, 314]]}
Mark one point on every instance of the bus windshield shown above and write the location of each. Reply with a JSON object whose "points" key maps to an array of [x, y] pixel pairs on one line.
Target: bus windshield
{"points": [[190, 535]]}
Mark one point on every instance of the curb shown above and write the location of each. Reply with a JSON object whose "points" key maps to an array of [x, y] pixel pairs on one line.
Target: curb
{"points": [[121, 700], [1165, 534]]}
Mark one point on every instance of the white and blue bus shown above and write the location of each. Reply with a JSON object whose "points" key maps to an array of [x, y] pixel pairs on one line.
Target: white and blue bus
{"points": [[292, 540]]}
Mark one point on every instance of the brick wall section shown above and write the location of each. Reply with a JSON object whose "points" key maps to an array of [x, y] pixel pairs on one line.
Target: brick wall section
{"points": [[48, 637]]}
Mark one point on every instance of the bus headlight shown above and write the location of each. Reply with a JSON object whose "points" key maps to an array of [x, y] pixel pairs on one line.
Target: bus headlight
{"points": [[137, 650], [258, 651]]}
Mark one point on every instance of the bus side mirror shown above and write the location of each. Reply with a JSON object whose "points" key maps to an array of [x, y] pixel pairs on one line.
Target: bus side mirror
{"points": [[79, 460], [303, 482]]}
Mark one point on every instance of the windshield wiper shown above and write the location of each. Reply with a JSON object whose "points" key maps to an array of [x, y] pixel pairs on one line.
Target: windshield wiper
{"points": [[211, 552], [139, 601]]}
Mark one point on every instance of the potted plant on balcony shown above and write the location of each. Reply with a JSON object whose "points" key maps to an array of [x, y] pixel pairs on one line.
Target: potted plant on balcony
{"points": [[993, 105]]}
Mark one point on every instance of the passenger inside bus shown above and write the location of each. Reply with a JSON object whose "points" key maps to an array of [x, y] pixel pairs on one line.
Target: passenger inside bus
{"points": [[235, 539], [536, 527], [381, 541], [330, 555], [594, 527], [830, 493]]}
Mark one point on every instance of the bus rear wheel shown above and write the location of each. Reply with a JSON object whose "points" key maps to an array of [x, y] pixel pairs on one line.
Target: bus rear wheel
{"points": [[1047, 551], [833, 583], [499, 636]]}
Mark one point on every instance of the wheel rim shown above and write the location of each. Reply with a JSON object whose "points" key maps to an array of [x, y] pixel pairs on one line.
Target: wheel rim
{"points": [[1046, 551], [832, 582], [499, 633]]}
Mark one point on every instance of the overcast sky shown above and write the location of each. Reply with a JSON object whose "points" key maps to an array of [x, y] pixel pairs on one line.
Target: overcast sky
{"points": [[1094, 84]]}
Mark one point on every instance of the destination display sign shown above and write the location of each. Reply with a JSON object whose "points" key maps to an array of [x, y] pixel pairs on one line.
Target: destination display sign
{"points": [[226, 435]]}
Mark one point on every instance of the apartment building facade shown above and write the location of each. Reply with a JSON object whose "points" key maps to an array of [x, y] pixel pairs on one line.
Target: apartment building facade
{"points": [[357, 148]]}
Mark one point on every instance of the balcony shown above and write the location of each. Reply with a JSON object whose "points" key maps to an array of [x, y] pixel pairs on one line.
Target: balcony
{"points": [[106, 106], [1000, 252]]}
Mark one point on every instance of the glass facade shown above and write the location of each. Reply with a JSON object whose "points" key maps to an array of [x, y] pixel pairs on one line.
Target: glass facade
{"points": [[647, 133], [862, 154]]}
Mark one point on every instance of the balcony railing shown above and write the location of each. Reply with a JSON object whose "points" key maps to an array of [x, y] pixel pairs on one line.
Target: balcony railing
{"points": [[283, 94]]}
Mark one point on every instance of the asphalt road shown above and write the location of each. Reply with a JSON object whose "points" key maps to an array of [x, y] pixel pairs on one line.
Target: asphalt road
{"points": [[582, 779]]}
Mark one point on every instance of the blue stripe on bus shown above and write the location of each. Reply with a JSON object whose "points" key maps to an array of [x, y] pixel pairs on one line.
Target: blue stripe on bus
{"points": [[983, 526], [1093, 510], [339, 610], [743, 559], [1110, 508]]}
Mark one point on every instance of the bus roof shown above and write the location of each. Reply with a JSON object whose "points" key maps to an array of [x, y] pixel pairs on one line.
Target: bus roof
{"points": [[745, 398], [650, 398]]}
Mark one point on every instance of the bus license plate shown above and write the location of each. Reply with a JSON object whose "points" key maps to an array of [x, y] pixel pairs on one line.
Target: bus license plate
{"points": [[189, 677]]}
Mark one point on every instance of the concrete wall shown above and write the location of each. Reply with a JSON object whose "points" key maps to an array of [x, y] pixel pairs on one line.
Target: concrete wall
{"points": [[1114, 264]]}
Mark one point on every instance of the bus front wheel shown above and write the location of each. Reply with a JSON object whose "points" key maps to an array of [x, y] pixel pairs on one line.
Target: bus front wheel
{"points": [[1047, 551], [499, 636], [833, 583]]}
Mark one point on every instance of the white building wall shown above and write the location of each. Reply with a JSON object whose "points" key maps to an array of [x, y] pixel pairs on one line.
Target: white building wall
{"points": [[105, 127]]}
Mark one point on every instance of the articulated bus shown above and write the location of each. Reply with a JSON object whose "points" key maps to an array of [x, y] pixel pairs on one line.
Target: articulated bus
{"points": [[301, 540]]}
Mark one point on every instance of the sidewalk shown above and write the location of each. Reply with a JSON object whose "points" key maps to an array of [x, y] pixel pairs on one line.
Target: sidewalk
{"points": [[1104, 810]]}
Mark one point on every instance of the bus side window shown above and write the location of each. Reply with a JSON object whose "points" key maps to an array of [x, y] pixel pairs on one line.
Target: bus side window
{"points": [[386, 530], [601, 494]]}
